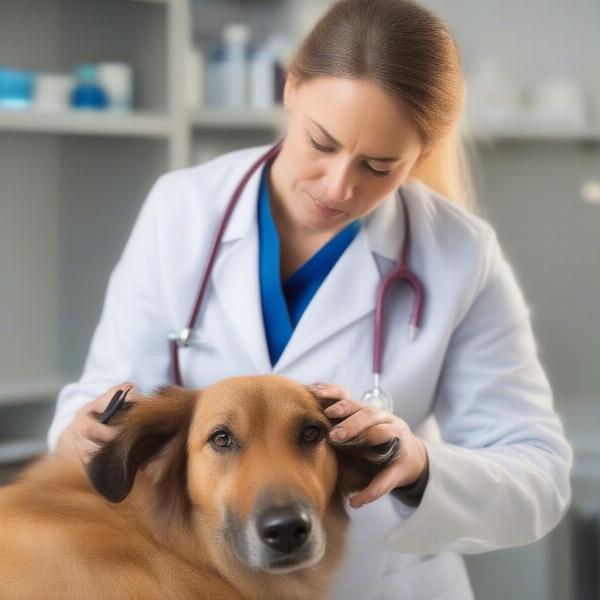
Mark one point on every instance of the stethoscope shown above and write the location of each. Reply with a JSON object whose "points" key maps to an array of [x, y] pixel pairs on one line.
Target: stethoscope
{"points": [[401, 272]]}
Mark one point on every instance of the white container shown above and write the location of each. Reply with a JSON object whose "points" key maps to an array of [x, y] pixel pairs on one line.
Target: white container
{"points": [[194, 78], [235, 39], [262, 79], [116, 80], [53, 92], [214, 78]]}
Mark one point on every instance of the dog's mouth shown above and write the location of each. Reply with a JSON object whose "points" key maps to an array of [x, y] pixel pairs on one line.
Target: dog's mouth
{"points": [[287, 564]]}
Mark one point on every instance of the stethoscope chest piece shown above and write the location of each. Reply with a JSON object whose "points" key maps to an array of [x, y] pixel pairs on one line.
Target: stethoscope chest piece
{"points": [[186, 337], [377, 398]]}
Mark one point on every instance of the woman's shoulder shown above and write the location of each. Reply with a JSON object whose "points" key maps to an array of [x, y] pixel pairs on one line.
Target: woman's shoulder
{"points": [[219, 169], [204, 186], [443, 218], [455, 244], [187, 197]]}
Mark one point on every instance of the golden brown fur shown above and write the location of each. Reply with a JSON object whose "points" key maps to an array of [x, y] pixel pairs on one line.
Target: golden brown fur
{"points": [[164, 513]]}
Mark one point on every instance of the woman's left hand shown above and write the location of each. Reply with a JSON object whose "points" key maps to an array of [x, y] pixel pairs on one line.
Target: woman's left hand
{"points": [[377, 426]]}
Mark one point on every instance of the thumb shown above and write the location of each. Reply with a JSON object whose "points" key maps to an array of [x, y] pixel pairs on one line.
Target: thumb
{"points": [[385, 481]]}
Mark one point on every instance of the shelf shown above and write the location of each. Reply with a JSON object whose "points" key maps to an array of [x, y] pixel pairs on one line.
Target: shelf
{"points": [[208, 118], [136, 124], [44, 391], [19, 450], [531, 132]]}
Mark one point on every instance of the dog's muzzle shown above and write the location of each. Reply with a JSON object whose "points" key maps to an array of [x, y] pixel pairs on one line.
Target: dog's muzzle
{"points": [[278, 538]]}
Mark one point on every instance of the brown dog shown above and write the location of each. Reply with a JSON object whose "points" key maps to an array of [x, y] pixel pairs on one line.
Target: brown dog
{"points": [[231, 492]]}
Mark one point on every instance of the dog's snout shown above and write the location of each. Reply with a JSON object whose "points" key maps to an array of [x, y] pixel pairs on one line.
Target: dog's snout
{"points": [[284, 528]]}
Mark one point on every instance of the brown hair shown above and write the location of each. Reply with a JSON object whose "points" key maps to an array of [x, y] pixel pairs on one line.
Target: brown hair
{"points": [[409, 52]]}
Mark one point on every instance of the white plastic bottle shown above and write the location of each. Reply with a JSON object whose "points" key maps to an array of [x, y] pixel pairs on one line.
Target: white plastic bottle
{"points": [[235, 38], [195, 75], [262, 79]]}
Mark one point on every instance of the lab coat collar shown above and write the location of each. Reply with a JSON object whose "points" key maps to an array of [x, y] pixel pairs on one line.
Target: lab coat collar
{"points": [[243, 217]]}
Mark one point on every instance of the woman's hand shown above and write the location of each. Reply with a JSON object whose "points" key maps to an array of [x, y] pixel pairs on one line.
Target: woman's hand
{"points": [[85, 434], [377, 426]]}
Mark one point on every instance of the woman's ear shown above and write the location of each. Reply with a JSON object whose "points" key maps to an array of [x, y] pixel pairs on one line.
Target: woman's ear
{"points": [[358, 462], [159, 423]]}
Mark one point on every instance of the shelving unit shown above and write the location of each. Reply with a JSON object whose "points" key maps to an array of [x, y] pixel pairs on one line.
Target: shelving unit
{"points": [[73, 182]]}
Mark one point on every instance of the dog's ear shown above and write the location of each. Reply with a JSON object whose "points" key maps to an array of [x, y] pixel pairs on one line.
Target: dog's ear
{"points": [[154, 426], [358, 462]]}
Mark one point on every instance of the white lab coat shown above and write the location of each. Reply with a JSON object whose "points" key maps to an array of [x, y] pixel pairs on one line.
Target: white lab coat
{"points": [[499, 478]]}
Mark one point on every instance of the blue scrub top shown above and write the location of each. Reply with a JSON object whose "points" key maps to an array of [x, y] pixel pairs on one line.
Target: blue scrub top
{"points": [[282, 306]]}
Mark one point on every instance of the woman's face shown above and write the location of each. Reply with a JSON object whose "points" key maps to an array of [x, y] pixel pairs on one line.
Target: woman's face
{"points": [[348, 145]]}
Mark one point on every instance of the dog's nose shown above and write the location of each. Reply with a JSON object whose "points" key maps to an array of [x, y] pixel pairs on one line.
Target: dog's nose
{"points": [[284, 528]]}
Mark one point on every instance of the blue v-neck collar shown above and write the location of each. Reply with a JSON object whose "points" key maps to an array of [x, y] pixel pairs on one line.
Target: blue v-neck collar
{"points": [[283, 306]]}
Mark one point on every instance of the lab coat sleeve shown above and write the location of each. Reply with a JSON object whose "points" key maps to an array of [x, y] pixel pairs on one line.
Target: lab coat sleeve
{"points": [[500, 478], [131, 332]]}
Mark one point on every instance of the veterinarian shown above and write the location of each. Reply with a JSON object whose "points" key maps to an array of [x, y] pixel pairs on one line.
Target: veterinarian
{"points": [[370, 159]]}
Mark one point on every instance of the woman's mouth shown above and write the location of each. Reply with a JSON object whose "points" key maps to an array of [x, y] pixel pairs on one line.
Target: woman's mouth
{"points": [[325, 210]]}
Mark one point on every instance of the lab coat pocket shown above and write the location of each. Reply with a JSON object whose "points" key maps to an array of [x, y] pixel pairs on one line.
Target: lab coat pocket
{"points": [[434, 577]]}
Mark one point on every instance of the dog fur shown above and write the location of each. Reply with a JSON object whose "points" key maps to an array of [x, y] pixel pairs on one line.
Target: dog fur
{"points": [[165, 511]]}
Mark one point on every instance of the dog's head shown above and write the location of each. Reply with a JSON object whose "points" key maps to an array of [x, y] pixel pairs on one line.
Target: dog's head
{"points": [[248, 458]]}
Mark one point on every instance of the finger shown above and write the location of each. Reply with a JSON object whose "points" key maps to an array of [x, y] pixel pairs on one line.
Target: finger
{"points": [[342, 403], [383, 483], [331, 390], [359, 421], [343, 408], [382, 433], [97, 432]]}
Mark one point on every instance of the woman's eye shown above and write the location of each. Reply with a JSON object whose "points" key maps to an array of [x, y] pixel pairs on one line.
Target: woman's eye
{"points": [[319, 147], [329, 150], [376, 172], [311, 434], [222, 439]]}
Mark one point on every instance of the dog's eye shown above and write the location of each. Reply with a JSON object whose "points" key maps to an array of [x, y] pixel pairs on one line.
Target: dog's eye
{"points": [[312, 433], [222, 439]]}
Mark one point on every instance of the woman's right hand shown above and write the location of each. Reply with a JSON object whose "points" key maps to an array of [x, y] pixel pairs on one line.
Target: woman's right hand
{"points": [[86, 434]]}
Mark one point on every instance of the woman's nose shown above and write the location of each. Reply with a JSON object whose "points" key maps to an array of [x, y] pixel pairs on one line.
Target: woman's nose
{"points": [[339, 183]]}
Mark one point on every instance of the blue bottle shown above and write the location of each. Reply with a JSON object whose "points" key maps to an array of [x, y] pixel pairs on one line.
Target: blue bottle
{"points": [[16, 88], [87, 94]]}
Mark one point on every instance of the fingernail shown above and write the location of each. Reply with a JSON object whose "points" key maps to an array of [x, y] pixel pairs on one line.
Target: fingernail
{"points": [[318, 387], [333, 410], [337, 434]]}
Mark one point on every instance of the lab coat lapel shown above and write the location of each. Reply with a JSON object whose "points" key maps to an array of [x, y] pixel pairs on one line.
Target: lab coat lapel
{"points": [[346, 295], [235, 274]]}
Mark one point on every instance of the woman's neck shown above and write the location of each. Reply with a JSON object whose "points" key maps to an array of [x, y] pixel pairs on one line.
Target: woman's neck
{"points": [[297, 242]]}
